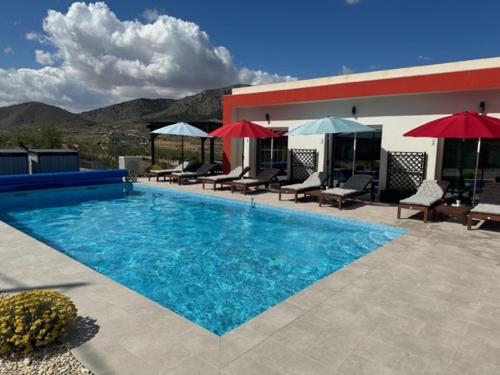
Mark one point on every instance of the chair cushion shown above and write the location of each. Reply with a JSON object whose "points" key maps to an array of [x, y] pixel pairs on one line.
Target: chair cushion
{"points": [[236, 172], [420, 200], [248, 181], [339, 191], [358, 182], [486, 208], [185, 174], [221, 177], [313, 181]]}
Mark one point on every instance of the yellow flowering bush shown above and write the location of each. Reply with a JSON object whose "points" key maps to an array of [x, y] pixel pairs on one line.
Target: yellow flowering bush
{"points": [[34, 319]]}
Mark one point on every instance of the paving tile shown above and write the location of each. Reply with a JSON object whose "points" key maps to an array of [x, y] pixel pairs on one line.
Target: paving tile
{"points": [[354, 364], [426, 303]]}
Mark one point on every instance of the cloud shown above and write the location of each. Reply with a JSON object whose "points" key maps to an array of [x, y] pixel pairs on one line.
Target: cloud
{"points": [[346, 70], [121, 60], [151, 15], [8, 51], [44, 57], [423, 58], [352, 2], [37, 37]]}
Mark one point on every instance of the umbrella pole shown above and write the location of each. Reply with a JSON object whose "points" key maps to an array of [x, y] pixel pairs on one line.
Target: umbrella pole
{"points": [[328, 171], [182, 153], [475, 172], [354, 153], [242, 152], [272, 151]]}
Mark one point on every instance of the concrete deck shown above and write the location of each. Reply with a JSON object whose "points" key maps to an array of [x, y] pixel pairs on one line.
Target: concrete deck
{"points": [[427, 303]]}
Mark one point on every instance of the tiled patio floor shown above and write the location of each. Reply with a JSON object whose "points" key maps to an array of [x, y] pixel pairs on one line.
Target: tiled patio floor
{"points": [[427, 303]]}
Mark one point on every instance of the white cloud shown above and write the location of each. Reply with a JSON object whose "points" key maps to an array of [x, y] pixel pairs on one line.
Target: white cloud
{"points": [[44, 57], [37, 37], [8, 51], [151, 15], [346, 70], [423, 58], [120, 60], [352, 2]]}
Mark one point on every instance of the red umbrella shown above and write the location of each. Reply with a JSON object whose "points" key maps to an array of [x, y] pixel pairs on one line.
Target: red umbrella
{"points": [[464, 125], [243, 129]]}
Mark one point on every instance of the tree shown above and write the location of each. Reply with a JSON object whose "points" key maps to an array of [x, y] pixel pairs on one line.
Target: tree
{"points": [[50, 137]]}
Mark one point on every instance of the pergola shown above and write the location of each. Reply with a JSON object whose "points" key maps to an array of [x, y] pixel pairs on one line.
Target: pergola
{"points": [[206, 126]]}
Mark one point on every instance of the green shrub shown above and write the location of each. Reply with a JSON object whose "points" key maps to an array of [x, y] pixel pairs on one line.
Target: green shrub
{"points": [[34, 319]]}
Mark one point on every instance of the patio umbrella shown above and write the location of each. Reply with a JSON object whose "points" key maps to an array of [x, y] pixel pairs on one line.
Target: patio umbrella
{"points": [[332, 125], [243, 129], [184, 130], [464, 125]]}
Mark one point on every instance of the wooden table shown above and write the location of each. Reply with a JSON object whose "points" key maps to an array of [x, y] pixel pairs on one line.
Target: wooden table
{"points": [[459, 212]]}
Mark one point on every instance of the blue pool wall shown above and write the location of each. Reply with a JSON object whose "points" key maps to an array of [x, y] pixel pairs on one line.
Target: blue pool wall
{"points": [[14, 183]]}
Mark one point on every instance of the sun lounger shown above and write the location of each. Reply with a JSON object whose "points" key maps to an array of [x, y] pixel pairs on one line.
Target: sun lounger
{"points": [[313, 182], [263, 178], [234, 175], [166, 172], [489, 205], [428, 195], [355, 186], [204, 170]]}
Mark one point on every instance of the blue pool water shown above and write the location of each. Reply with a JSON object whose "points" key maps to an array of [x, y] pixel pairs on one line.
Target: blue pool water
{"points": [[215, 262]]}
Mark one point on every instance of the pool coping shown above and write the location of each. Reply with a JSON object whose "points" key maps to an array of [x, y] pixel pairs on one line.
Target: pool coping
{"points": [[129, 321], [391, 233], [244, 337]]}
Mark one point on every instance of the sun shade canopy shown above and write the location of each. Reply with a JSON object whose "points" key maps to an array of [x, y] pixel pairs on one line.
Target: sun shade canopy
{"points": [[329, 125], [243, 129], [464, 125], [181, 128]]}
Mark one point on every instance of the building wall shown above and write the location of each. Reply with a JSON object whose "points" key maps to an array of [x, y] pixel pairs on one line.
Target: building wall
{"points": [[396, 115]]}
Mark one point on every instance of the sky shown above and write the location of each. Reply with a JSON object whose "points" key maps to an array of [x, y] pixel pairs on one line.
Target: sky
{"points": [[83, 55]]}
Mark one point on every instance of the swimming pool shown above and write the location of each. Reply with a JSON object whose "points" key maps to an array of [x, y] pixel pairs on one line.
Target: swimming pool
{"points": [[216, 262]]}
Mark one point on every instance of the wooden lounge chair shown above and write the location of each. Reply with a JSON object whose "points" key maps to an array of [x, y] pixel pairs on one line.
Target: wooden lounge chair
{"points": [[313, 182], [204, 170], [489, 205], [355, 186], [263, 178], [234, 175], [428, 195], [166, 172]]}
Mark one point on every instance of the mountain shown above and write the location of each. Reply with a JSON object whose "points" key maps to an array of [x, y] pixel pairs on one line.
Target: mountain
{"points": [[204, 106], [133, 109], [123, 122], [32, 114]]}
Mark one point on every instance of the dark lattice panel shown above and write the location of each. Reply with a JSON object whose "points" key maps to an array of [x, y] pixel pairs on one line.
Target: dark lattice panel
{"points": [[304, 162], [405, 170]]}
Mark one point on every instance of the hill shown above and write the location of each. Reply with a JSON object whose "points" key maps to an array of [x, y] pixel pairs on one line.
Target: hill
{"points": [[122, 123], [31, 114], [204, 106], [126, 111]]}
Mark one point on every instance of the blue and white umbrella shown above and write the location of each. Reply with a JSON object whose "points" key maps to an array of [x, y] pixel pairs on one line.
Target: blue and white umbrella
{"points": [[184, 130], [332, 125], [329, 125]]}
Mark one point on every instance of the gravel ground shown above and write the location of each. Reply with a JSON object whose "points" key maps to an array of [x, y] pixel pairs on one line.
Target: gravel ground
{"points": [[54, 360]]}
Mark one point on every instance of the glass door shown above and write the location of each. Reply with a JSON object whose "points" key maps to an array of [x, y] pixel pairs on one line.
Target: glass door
{"points": [[366, 159], [459, 162], [273, 153]]}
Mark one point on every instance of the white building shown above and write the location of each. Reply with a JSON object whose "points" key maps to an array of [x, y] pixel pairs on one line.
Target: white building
{"points": [[393, 101]]}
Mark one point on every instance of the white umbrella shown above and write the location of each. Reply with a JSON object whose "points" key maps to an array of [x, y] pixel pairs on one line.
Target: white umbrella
{"points": [[184, 130], [332, 125]]}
